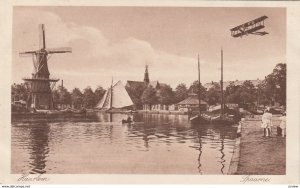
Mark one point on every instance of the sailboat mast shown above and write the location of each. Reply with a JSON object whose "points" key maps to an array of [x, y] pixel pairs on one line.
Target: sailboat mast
{"points": [[222, 94], [111, 93], [199, 86]]}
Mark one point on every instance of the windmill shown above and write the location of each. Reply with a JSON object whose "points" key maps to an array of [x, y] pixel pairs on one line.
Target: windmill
{"points": [[40, 83]]}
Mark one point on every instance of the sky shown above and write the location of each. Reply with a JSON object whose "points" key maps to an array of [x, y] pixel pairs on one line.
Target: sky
{"points": [[118, 42]]}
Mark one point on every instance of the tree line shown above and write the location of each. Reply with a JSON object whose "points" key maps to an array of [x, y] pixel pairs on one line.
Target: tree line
{"points": [[61, 96], [270, 90]]}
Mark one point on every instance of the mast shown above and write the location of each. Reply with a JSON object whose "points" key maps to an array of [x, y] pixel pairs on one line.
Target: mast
{"points": [[199, 87], [111, 93], [222, 94]]}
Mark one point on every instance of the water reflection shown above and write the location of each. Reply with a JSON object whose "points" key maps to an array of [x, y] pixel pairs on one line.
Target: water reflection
{"points": [[39, 145], [166, 144], [200, 151]]}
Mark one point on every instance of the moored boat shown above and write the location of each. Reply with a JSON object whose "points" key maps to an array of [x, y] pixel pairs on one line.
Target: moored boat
{"points": [[214, 118]]}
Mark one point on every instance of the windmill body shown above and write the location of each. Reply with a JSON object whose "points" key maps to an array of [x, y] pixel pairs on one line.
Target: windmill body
{"points": [[40, 83]]}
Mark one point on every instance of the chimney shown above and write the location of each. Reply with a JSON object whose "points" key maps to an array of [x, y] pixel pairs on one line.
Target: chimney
{"points": [[62, 83]]}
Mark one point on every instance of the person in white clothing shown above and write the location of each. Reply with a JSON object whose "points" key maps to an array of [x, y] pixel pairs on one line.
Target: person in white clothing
{"points": [[267, 123], [283, 124]]}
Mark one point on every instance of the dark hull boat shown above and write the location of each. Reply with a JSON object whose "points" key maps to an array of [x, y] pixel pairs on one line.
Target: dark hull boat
{"points": [[204, 118], [219, 118]]}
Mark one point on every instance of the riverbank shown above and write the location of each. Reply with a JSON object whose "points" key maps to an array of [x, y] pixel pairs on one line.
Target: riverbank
{"points": [[255, 154]]}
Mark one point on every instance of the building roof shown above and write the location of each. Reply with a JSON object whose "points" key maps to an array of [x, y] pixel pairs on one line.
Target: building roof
{"points": [[135, 83], [191, 101], [154, 84], [236, 83]]}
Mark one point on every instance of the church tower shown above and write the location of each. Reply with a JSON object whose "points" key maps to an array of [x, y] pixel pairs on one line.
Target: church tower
{"points": [[146, 76]]}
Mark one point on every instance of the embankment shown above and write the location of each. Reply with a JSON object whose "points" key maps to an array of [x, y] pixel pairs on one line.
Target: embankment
{"points": [[258, 155]]}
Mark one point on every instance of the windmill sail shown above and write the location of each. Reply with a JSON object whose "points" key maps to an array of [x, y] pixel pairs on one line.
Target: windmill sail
{"points": [[115, 97]]}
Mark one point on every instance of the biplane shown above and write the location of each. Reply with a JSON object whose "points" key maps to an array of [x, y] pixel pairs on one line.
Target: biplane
{"points": [[250, 27]]}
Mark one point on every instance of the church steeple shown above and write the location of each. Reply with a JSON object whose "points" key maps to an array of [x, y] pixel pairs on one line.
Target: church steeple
{"points": [[146, 76]]}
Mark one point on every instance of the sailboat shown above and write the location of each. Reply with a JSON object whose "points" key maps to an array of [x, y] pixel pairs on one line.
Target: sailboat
{"points": [[199, 118], [223, 118], [115, 99], [218, 118]]}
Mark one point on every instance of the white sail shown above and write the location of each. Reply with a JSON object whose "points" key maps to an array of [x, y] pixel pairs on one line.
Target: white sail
{"points": [[117, 98], [104, 103]]}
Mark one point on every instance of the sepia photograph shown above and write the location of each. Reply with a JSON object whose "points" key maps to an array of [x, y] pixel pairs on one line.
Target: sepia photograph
{"points": [[100, 91], [148, 90]]}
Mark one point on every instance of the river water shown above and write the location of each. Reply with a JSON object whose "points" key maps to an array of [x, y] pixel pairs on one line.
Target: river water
{"points": [[159, 144]]}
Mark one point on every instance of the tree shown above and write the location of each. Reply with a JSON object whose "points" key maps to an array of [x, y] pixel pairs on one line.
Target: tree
{"points": [[99, 93], [149, 96], [55, 95], [77, 98], [261, 95], [232, 93], [244, 95], [275, 85], [89, 98], [61, 96], [64, 95], [165, 95], [213, 95], [194, 88], [181, 93], [19, 92], [279, 77], [247, 93]]}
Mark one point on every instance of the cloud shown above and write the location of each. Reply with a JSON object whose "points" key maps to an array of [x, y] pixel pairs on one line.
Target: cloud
{"points": [[95, 58]]}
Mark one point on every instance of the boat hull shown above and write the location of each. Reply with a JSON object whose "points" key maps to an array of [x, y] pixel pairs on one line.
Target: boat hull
{"points": [[224, 120]]}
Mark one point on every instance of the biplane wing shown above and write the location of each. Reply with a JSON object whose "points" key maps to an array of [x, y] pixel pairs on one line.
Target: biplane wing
{"points": [[250, 27]]}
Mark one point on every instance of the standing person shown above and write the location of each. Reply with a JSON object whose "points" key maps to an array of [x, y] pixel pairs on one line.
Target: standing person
{"points": [[267, 123], [283, 124], [129, 120]]}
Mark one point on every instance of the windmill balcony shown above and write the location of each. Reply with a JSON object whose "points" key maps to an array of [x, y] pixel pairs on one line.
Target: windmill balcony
{"points": [[41, 79]]}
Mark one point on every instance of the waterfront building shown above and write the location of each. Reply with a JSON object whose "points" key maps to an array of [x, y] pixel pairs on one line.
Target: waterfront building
{"points": [[160, 107], [191, 104], [136, 88], [136, 84]]}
